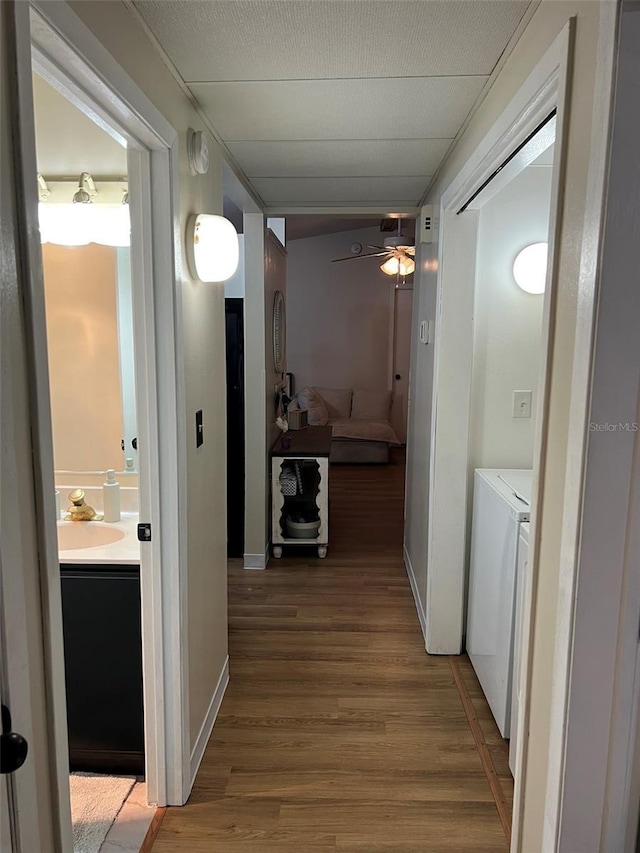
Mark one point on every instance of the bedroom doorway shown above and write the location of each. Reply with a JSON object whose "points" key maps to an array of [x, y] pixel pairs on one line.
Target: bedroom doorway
{"points": [[349, 315]]}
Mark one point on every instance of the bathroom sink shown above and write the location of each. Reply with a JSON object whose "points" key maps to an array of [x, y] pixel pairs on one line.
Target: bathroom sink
{"points": [[74, 535]]}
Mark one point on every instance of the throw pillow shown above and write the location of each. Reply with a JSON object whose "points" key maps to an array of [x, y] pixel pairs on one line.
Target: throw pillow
{"points": [[371, 405], [337, 401], [312, 403]]}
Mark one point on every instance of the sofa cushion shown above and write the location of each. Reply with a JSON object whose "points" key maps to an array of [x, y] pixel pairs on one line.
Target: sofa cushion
{"points": [[363, 429], [313, 404], [337, 401], [371, 404]]}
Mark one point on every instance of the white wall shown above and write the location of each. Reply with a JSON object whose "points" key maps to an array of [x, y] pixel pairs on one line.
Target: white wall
{"points": [[507, 323], [419, 419], [204, 361], [338, 315]]}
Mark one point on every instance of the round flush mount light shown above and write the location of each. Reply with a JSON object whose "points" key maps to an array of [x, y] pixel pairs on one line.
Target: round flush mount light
{"points": [[213, 247], [530, 268]]}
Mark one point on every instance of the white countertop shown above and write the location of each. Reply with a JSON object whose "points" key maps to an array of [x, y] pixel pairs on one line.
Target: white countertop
{"points": [[125, 551]]}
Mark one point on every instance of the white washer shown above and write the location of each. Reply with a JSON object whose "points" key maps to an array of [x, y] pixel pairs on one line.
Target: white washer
{"points": [[501, 503], [521, 580]]}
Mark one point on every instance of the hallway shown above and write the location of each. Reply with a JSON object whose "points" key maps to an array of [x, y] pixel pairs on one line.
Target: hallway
{"points": [[337, 732]]}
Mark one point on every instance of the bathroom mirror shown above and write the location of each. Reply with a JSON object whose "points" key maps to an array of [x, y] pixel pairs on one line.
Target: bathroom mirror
{"points": [[91, 357]]}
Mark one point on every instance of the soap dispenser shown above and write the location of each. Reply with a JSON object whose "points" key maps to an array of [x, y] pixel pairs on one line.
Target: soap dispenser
{"points": [[111, 497]]}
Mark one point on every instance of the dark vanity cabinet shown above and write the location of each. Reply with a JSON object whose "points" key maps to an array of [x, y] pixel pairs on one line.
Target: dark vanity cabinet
{"points": [[103, 662]]}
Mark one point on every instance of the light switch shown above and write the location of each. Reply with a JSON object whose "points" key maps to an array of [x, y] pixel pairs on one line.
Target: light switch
{"points": [[522, 404]]}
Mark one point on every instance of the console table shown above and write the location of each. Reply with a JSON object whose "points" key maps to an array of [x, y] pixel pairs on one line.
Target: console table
{"points": [[301, 457]]}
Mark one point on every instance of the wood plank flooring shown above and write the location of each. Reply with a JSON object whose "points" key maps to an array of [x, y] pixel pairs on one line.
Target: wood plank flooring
{"points": [[338, 732]]}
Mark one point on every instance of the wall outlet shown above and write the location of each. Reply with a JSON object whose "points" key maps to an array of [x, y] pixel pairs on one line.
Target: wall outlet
{"points": [[522, 404]]}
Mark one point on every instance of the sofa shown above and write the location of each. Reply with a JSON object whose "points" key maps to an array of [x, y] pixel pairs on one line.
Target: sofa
{"points": [[362, 432]]}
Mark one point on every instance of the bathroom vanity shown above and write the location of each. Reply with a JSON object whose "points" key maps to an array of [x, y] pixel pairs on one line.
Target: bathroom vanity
{"points": [[103, 663], [101, 612]]}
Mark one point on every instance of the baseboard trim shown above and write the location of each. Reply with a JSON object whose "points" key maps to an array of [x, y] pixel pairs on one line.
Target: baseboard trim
{"points": [[414, 589], [256, 561], [207, 726]]}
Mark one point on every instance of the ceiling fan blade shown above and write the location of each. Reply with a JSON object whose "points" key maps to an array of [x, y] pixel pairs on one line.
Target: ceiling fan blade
{"points": [[385, 248], [359, 257]]}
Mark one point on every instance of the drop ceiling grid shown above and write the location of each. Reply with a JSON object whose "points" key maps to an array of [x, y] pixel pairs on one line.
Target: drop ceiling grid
{"points": [[335, 101], [400, 191], [236, 40], [418, 108], [344, 158]]}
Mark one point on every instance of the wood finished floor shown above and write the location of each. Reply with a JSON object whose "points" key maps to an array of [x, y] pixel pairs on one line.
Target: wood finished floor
{"points": [[337, 731]]}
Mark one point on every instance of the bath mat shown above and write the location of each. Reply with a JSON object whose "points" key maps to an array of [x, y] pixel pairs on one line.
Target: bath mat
{"points": [[95, 803]]}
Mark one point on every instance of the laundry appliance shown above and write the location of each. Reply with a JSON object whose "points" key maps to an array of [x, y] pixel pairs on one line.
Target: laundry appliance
{"points": [[501, 505]]}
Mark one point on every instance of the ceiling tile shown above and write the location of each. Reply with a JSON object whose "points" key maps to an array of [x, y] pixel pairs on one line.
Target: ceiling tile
{"points": [[412, 108], [353, 158], [317, 191], [301, 39]]}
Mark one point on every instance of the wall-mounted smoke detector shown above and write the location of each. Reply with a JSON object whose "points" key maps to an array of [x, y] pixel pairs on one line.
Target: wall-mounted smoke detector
{"points": [[197, 152]]}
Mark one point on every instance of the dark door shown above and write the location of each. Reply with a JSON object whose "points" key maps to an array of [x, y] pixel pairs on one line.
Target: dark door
{"points": [[234, 310]]}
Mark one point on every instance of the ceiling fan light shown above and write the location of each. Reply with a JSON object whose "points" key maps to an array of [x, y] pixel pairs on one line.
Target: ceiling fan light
{"points": [[394, 265], [390, 266]]}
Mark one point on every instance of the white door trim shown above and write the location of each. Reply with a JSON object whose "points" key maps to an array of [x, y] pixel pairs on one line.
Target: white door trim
{"points": [[545, 90], [30, 570], [595, 709], [71, 56]]}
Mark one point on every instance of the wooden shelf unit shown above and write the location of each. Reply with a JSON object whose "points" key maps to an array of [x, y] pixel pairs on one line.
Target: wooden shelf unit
{"points": [[309, 448]]}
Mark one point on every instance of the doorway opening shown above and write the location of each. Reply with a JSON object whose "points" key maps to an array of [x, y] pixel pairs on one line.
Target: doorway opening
{"points": [[85, 232], [512, 221], [483, 411], [348, 339], [97, 298], [234, 293]]}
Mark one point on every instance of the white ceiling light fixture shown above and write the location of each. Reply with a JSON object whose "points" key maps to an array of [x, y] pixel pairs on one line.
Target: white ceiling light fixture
{"points": [[530, 268], [65, 224], [86, 192], [398, 265], [43, 190], [212, 247], [86, 215]]}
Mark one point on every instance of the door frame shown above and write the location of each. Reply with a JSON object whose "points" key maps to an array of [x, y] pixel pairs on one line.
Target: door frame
{"points": [[546, 89], [598, 810], [67, 53]]}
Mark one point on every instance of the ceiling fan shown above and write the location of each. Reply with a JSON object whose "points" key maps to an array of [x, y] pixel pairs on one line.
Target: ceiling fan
{"points": [[398, 252]]}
